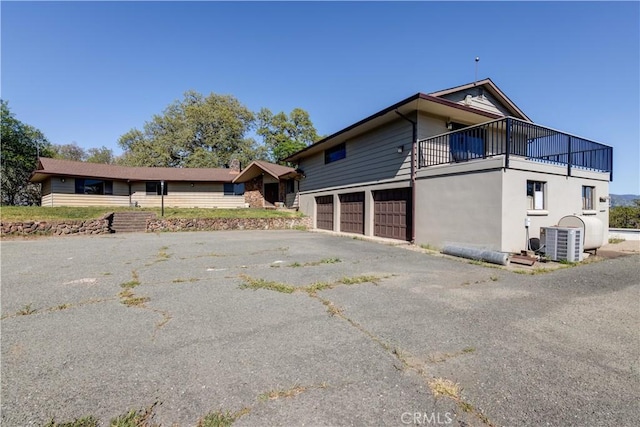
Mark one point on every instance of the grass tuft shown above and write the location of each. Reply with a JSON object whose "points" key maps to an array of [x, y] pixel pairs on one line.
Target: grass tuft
{"points": [[317, 286], [89, 421], [616, 240], [26, 310], [278, 394], [221, 419], [255, 284], [191, 279], [133, 418], [128, 298], [359, 279], [444, 387]]}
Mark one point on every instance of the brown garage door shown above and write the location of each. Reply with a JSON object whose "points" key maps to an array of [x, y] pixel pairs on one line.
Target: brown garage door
{"points": [[352, 213], [392, 213], [324, 212]]}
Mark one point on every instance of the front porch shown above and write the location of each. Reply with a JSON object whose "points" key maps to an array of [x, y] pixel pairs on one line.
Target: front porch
{"points": [[514, 138]]}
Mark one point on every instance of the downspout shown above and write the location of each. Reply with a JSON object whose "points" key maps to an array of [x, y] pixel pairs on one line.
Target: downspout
{"points": [[414, 141]]}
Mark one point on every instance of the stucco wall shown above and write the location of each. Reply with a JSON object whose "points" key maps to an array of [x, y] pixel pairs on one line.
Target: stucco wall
{"points": [[563, 196], [463, 208]]}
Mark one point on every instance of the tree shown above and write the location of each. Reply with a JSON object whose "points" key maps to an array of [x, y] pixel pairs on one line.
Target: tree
{"points": [[21, 145], [284, 135], [69, 152], [625, 216], [100, 155], [197, 131]]}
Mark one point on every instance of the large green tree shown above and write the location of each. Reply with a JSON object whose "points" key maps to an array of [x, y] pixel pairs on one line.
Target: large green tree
{"points": [[69, 152], [285, 134], [100, 155], [196, 131], [21, 145]]}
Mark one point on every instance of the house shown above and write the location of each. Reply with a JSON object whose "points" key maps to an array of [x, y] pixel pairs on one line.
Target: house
{"points": [[71, 183], [267, 184], [463, 165]]}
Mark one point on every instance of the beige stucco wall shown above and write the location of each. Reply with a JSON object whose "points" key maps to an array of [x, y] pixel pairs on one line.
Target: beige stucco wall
{"points": [[461, 208], [563, 196]]}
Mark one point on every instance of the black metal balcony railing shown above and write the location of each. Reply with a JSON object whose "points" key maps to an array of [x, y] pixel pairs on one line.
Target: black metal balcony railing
{"points": [[513, 137]]}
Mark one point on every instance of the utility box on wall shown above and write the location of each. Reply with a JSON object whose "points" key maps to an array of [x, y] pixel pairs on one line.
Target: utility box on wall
{"points": [[562, 243]]}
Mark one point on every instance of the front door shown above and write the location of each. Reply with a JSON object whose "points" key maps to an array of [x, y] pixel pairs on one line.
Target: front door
{"points": [[271, 193]]}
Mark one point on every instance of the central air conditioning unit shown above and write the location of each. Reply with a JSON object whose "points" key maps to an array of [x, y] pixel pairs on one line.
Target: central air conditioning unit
{"points": [[562, 243]]}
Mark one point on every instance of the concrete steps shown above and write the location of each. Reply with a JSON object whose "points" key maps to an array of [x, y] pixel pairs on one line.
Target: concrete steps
{"points": [[130, 222]]}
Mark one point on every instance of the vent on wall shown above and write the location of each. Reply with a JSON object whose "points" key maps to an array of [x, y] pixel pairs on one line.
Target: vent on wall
{"points": [[562, 244]]}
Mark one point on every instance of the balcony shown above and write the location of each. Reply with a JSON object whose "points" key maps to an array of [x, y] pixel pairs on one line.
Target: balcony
{"points": [[510, 137]]}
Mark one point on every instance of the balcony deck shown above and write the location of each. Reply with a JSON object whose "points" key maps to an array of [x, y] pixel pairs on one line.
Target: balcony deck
{"points": [[514, 137]]}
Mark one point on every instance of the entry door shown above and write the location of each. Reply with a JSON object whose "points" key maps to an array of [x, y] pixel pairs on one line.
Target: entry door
{"points": [[271, 193]]}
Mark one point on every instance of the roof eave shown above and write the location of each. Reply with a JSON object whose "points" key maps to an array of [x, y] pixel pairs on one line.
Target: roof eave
{"points": [[419, 96]]}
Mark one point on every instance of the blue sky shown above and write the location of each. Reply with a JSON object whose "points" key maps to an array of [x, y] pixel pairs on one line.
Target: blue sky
{"points": [[88, 72]]}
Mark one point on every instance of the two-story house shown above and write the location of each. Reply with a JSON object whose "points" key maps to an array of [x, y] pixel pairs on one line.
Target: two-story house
{"points": [[459, 166]]}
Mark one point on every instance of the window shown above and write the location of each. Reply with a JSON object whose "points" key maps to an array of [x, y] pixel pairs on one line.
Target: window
{"points": [[468, 144], [535, 194], [93, 186], [290, 184], [231, 189], [588, 197], [336, 153], [154, 188]]}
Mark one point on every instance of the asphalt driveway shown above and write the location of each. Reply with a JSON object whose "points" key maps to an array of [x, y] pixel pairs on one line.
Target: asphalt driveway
{"points": [[298, 328]]}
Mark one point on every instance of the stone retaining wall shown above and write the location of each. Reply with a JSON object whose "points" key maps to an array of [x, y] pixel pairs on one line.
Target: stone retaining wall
{"points": [[212, 224], [57, 228], [103, 225]]}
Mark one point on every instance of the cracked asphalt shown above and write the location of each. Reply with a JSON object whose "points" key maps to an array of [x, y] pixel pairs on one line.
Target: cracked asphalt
{"points": [[556, 349]]}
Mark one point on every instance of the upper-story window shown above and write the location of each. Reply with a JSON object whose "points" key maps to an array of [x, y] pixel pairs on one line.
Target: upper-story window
{"points": [[93, 186], [466, 145], [335, 153]]}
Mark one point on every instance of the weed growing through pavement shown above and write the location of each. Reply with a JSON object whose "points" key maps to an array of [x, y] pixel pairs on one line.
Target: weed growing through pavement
{"points": [[277, 394], [162, 254], [255, 284], [616, 240], [26, 310], [89, 421], [135, 281], [221, 419], [133, 418], [359, 279], [191, 280], [314, 263], [128, 298]]}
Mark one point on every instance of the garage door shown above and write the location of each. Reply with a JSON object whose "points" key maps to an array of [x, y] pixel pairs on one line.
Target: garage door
{"points": [[392, 213], [324, 212], [352, 213]]}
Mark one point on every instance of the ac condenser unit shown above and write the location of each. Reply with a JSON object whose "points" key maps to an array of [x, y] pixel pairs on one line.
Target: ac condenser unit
{"points": [[562, 243]]}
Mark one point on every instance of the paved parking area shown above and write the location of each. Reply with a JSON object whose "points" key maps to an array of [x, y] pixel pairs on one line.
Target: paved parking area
{"points": [[340, 331]]}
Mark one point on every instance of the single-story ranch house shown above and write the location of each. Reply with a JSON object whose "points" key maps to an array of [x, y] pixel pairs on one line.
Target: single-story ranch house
{"points": [[71, 183], [462, 166]]}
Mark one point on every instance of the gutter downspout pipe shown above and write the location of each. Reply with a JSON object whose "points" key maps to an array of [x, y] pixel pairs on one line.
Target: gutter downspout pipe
{"points": [[414, 142]]}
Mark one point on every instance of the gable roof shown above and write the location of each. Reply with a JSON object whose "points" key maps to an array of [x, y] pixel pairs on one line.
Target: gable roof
{"points": [[491, 87], [56, 167], [434, 103], [258, 167]]}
